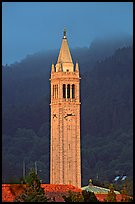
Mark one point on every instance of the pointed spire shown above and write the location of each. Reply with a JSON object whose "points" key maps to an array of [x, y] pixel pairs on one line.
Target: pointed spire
{"points": [[77, 67], [64, 54], [64, 61], [53, 69]]}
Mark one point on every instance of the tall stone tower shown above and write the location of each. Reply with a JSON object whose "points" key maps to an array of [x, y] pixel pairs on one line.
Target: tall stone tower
{"points": [[65, 155]]}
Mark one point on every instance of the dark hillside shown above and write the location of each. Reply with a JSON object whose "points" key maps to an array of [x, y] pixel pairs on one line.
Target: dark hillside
{"points": [[106, 115]]}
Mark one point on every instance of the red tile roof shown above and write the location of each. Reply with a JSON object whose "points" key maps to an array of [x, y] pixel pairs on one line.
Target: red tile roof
{"points": [[51, 190], [101, 197], [57, 190], [60, 188]]}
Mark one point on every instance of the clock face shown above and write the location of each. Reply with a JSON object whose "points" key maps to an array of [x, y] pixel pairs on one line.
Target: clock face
{"points": [[68, 114]]}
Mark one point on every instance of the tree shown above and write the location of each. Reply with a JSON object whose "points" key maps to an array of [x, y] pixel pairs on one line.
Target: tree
{"points": [[73, 197], [111, 196], [124, 194], [89, 196], [31, 190], [80, 197], [125, 197]]}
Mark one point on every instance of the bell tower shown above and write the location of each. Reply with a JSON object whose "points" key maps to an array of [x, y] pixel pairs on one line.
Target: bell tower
{"points": [[65, 154]]}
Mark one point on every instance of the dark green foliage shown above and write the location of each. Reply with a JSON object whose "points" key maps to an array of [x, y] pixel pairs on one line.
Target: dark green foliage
{"points": [[107, 118], [80, 197], [89, 196], [25, 145], [111, 196], [106, 115], [32, 192], [73, 197], [127, 191], [127, 184]]}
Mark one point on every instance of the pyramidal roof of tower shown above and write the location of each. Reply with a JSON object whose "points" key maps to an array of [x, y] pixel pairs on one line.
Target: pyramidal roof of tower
{"points": [[64, 54]]}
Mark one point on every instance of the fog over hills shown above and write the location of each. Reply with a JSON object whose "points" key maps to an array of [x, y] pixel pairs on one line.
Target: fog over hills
{"points": [[106, 68]]}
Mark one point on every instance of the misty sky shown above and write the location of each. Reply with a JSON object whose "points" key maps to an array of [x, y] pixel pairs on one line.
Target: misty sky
{"points": [[29, 27]]}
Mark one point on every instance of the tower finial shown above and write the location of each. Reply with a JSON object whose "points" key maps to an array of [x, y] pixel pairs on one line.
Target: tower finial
{"points": [[90, 182], [77, 67], [64, 33], [53, 69]]}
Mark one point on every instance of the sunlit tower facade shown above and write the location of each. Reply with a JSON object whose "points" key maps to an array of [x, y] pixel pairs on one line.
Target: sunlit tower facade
{"points": [[65, 154]]}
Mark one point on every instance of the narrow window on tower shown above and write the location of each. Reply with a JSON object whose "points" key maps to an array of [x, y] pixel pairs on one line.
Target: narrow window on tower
{"points": [[57, 91], [53, 91], [64, 90], [73, 91], [69, 146], [68, 91], [69, 165]]}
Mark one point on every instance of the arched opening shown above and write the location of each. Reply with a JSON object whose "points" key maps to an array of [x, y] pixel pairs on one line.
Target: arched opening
{"points": [[68, 91], [73, 91], [64, 90]]}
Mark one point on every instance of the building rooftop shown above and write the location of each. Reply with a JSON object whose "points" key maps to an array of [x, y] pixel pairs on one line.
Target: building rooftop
{"points": [[97, 189], [51, 191], [64, 55], [57, 190]]}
